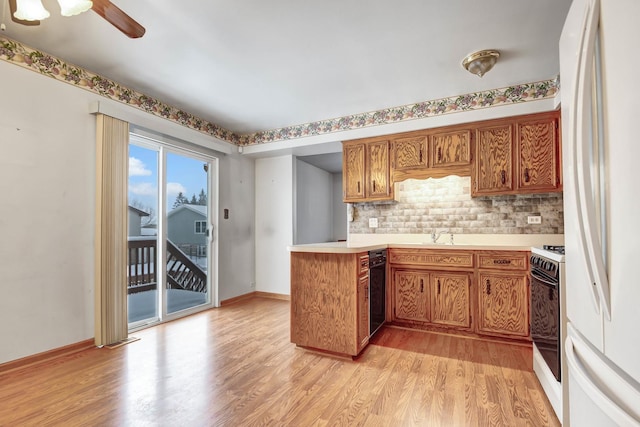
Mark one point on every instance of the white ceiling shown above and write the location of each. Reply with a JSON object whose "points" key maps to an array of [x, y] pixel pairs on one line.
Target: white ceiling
{"points": [[253, 65]]}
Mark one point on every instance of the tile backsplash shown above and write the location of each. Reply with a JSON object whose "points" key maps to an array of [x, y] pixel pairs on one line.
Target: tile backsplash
{"points": [[425, 206]]}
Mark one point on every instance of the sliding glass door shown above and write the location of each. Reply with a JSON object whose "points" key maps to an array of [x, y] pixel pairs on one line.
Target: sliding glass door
{"points": [[171, 232], [188, 232]]}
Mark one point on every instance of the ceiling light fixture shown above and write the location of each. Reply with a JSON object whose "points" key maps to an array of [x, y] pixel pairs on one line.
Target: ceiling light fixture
{"points": [[30, 10], [74, 7], [33, 10], [480, 62]]}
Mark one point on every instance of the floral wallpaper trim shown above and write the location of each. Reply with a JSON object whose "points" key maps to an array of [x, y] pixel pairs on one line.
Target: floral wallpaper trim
{"points": [[420, 110], [19, 54]]}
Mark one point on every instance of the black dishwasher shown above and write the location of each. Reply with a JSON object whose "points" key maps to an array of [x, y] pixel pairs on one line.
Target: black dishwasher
{"points": [[377, 291]]}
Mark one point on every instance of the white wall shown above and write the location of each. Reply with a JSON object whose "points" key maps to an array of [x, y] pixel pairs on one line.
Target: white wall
{"points": [[274, 222], [339, 209], [313, 204], [47, 179], [236, 248]]}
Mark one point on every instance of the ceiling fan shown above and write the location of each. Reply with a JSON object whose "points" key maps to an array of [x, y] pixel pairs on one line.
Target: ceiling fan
{"points": [[109, 11]]}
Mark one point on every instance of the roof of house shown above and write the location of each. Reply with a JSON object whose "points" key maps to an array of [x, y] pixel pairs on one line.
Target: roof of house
{"points": [[199, 209], [138, 211]]}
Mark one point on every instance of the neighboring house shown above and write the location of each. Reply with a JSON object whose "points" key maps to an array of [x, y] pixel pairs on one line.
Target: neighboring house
{"points": [[135, 221], [187, 228]]}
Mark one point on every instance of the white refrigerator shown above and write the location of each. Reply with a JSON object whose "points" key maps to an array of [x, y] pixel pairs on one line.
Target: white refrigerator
{"points": [[599, 65]]}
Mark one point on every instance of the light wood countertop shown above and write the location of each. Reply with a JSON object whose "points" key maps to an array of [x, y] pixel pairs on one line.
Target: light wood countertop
{"points": [[345, 248]]}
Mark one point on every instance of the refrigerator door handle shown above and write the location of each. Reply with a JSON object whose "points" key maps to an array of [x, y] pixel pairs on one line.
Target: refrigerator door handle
{"points": [[591, 246], [582, 363]]}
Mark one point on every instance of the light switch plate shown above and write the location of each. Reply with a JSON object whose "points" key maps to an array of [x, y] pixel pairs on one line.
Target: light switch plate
{"points": [[373, 222], [534, 219]]}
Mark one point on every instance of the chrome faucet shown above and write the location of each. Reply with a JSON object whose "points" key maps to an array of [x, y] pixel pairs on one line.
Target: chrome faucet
{"points": [[435, 237]]}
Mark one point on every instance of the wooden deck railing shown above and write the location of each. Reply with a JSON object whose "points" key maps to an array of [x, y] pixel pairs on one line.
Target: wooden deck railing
{"points": [[182, 273]]}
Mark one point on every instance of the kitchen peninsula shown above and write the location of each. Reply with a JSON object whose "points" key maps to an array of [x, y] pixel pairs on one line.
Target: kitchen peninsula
{"points": [[479, 290]]}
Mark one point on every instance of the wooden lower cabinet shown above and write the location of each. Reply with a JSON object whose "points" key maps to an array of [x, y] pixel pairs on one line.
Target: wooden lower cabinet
{"points": [[503, 303], [330, 301], [363, 310], [450, 299], [411, 294], [483, 293], [432, 297]]}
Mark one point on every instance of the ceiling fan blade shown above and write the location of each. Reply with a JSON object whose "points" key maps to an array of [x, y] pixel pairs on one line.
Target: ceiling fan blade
{"points": [[116, 17], [13, 7]]}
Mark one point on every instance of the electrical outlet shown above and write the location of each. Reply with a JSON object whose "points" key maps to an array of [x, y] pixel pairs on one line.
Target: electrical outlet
{"points": [[253, 285], [373, 222], [534, 219]]}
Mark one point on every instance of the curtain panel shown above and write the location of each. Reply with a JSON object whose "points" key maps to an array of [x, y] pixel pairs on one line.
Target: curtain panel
{"points": [[112, 163]]}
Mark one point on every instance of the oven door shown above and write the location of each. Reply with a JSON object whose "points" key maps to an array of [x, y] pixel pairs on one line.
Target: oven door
{"points": [[545, 319]]}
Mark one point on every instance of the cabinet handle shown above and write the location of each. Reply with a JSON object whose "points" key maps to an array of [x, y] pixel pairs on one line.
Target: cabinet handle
{"points": [[488, 287], [374, 185], [438, 286], [421, 285], [439, 154], [526, 175], [420, 154], [358, 186], [503, 176]]}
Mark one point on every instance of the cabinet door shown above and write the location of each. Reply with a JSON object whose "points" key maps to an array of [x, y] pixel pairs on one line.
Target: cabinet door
{"points": [[409, 153], [503, 301], [537, 154], [378, 170], [451, 149], [411, 295], [363, 311], [494, 154], [450, 299], [353, 157]]}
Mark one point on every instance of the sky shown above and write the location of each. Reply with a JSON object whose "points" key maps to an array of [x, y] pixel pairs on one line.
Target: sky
{"points": [[184, 175]]}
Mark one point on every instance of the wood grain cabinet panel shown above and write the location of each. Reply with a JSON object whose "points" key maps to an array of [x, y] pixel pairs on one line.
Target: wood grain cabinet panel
{"points": [[503, 302], [366, 171], [363, 310], [409, 153], [440, 258], [378, 183], [538, 152], [493, 172], [329, 302], [504, 260], [411, 295], [353, 172], [450, 149], [450, 299]]}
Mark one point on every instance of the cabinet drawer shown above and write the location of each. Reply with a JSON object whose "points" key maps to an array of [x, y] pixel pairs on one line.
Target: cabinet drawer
{"points": [[431, 257], [504, 260]]}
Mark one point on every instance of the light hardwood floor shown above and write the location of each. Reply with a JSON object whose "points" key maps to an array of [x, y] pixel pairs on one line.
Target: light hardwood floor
{"points": [[235, 366]]}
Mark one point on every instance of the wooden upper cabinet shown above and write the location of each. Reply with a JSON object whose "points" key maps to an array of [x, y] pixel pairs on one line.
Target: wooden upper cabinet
{"points": [[513, 155], [451, 149], [450, 299], [538, 155], [409, 153], [365, 171], [353, 172], [493, 172], [377, 171], [411, 297], [503, 303]]}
